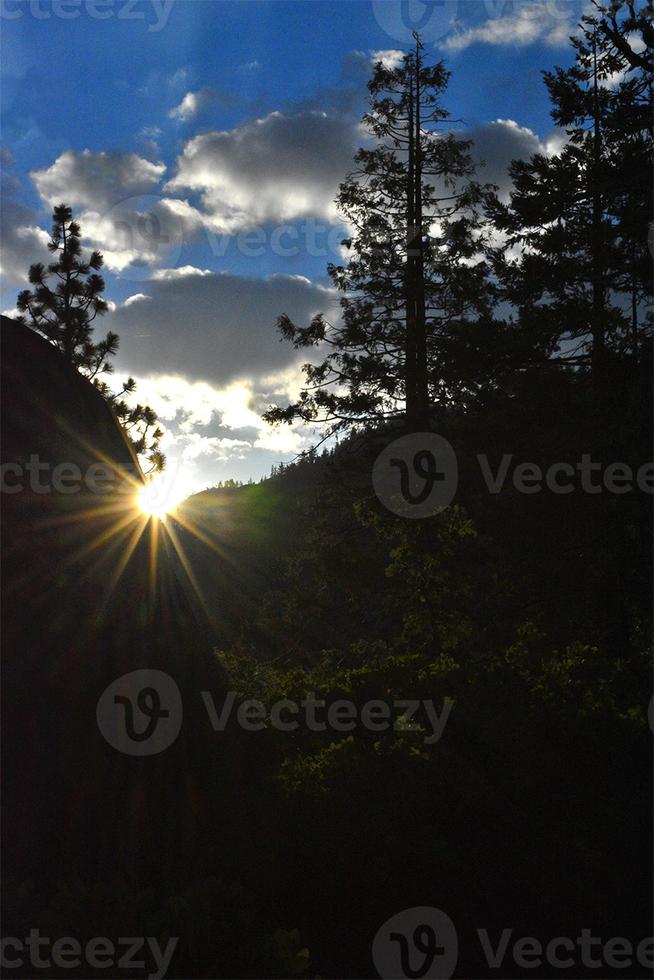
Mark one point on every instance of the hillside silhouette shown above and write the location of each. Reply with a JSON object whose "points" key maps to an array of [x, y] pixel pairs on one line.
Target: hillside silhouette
{"points": [[535, 625], [82, 605], [514, 608]]}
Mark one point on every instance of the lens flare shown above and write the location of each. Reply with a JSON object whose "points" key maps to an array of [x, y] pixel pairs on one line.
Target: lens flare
{"points": [[160, 496]]}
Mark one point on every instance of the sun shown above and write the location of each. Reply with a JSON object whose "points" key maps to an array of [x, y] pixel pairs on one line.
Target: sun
{"points": [[152, 503], [159, 497]]}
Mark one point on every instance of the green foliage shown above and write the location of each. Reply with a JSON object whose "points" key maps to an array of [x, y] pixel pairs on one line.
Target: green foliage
{"points": [[291, 955]]}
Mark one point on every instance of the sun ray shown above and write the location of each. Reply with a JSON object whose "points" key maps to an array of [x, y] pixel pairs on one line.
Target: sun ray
{"points": [[171, 533], [125, 556]]}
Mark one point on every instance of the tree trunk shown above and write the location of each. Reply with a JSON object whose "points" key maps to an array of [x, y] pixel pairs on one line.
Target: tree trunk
{"points": [[410, 365], [422, 390], [598, 358]]}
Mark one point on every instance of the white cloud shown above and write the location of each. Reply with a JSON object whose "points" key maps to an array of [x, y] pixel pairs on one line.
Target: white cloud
{"points": [[525, 23], [284, 384], [136, 298], [180, 272], [272, 170], [196, 445], [141, 232], [177, 399], [391, 58], [497, 144], [192, 104], [96, 180], [22, 241], [117, 201], [127, 236], [275, 169], [281, 440], [206, 426], [555, 142], [612, 79]]}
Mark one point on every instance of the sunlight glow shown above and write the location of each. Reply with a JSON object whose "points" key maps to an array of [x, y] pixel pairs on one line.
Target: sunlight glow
{"points": [[160, 496]]}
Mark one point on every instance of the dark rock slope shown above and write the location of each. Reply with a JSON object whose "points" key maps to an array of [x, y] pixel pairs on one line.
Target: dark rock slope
{"points": [[91, 590]]}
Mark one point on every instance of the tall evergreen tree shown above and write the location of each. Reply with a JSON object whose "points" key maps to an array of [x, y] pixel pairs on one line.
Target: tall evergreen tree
{"points": [[415, 274], [64, 301], [580, 217], [64, 313]]}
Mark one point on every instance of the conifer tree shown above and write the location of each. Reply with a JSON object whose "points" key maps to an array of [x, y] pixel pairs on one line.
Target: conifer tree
{"points": [[65, 299], [415, 275], [579, 217]]}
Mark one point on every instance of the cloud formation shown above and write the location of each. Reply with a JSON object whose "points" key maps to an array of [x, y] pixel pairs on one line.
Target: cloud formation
{"points": [[390, 58], [249, 66], [23, 241], [271, 170], [118, 201], [192, 104], [206, 426], [496, 144], [216, 328], [96, 181], [116, 198], [525, 23]]}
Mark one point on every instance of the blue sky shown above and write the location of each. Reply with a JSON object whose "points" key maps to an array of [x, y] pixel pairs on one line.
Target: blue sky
{"points": [[201, 143]]}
